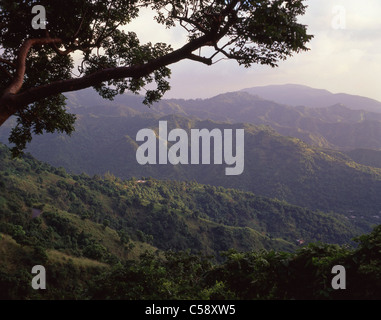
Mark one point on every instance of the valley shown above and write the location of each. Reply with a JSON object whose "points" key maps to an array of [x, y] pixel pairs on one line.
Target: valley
{"points": [[83, 205]]}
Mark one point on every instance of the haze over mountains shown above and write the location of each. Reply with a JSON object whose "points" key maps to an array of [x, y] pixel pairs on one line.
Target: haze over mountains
{"points": [[334, 124], [278, 163], [103, 238], [300, 95]]}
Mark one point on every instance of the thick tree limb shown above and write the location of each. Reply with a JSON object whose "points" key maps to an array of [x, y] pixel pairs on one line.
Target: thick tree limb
{"points": [[113, 58], [7, 106], [197, 58], [12, 101], [18, 78]]}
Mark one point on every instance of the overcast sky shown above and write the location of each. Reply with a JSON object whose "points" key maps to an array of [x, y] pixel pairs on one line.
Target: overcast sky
{"points": [[345, 55]]}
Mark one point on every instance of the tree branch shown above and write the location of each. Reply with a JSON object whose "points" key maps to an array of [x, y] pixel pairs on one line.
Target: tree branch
{"points": [[191, 22], [18, 78], [11, 101], [207, 61]]}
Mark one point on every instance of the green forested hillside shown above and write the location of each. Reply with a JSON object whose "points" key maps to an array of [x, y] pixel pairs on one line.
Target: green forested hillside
{"points": [[344, 122], [332, 125], [366, 157], [111, 228], [89, 224], [165, 214], [275, 166]]}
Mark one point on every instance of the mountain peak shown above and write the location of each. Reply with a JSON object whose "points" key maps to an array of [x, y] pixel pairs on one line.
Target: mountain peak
{"points": [[301, 95]]}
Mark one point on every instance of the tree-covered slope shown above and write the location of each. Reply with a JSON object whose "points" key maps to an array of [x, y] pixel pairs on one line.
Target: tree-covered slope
{"points": [[165, 214], [366, 157], [275, 166], [335, 124], [103, 237]]}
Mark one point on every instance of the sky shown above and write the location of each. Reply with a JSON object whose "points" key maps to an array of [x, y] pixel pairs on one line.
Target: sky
{"points": [[344, 55]]}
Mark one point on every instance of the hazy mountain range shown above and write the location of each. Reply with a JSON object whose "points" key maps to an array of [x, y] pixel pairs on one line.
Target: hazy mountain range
{"points": [[312, 172], [94, 234], [300, 95], [337, 121], [277, 163]]}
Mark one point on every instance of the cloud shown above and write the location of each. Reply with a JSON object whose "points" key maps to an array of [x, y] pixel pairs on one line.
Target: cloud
{"points": [[149, 30], [342, 59]]}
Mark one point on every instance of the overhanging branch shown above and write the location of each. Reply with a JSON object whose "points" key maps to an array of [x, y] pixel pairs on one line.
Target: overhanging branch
{"points": [[18, 78], [12, 101], [207, 61]]}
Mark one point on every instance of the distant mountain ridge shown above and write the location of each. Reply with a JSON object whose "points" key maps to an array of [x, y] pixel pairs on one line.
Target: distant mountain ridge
{"points": [[298, 187], [277, 164], [335, 126], [300, 95]]}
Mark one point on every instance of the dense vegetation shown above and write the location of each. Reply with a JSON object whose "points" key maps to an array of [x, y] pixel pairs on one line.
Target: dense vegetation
{"points": [[366, 157], [333, 126], [91, 231], [166, 214], [305, 274], [336, 125], [275, 166]]}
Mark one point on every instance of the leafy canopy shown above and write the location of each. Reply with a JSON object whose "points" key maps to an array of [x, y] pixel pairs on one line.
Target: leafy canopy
{"points": [[38, 65]]}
